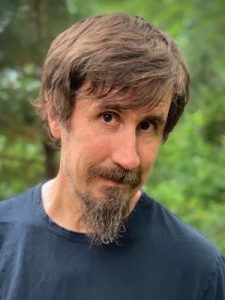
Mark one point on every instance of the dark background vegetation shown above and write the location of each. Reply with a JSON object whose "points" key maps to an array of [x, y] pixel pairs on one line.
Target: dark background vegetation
{"points": [[189, 175]]}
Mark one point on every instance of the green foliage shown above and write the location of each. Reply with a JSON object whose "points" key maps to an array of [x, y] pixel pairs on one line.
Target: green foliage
{"points": [[21, 165], [189, 175], [194, 164]]}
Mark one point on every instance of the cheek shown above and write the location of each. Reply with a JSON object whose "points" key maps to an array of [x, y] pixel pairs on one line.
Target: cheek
{"points": [[92, 150], [149, 155]]}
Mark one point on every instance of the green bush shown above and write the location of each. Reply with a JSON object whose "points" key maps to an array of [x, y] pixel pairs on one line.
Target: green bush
{"points": [[189, 178]]}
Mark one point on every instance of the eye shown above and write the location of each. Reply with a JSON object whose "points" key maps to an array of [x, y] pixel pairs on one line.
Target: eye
{"points": [[109, 117], [146, 125]]}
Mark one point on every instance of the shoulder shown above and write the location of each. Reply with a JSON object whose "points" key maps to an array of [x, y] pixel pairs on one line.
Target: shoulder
{"points": [[14, 207], [183, 248], [17, 214], [181, 239]]}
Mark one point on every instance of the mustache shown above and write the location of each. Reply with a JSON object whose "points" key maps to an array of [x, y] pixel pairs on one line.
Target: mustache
{"points": [[116, 174]]}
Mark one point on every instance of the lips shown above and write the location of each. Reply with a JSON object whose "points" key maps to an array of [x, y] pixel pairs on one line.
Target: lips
{"points": [[114, 182], [116, 175]]}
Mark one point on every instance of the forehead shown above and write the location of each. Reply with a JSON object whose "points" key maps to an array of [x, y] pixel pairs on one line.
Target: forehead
{"points": [[123, 100]]}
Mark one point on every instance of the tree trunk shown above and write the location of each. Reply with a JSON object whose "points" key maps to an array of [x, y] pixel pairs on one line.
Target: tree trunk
{"points": [[50, 161]]}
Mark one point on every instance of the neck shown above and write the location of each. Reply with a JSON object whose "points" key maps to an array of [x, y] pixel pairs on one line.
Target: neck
{"points": [[57, 203], [61, 205]]}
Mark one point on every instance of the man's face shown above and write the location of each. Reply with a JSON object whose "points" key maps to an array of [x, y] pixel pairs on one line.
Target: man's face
{"points": [[106, 156]]}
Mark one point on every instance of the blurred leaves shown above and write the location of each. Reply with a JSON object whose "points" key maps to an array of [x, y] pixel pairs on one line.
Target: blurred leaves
{"points": [[189, 178], [189, 175]]}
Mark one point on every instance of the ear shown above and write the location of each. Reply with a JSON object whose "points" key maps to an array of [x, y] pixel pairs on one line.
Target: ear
{"points": [[53, 120], [54, 126]]}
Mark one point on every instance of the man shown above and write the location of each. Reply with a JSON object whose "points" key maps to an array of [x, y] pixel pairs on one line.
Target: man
{"points": [[113, 87]]}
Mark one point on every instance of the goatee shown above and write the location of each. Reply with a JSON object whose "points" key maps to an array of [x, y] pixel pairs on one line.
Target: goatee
{"points": [[107, 215]]}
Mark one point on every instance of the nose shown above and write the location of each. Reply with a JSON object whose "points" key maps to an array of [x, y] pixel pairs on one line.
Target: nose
{"points": [[125, 153]]}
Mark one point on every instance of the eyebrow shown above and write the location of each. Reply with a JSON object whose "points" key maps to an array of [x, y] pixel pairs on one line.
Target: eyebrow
{"points": [[153, 116], [114, 106], [159, 119]]}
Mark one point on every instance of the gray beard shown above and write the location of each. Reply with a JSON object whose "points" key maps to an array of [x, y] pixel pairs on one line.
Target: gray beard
{"points": [[105, 216]]}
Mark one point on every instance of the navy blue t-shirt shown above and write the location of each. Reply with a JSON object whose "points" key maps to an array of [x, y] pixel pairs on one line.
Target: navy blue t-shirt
{"points": [[157, 258]]}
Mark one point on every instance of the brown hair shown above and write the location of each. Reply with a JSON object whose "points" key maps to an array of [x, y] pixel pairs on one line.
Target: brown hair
{"points": [[119, 53]]}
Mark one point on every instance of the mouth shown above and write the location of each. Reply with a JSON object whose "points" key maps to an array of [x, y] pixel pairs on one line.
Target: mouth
{"points": [[110, 182], [115, 177]]}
